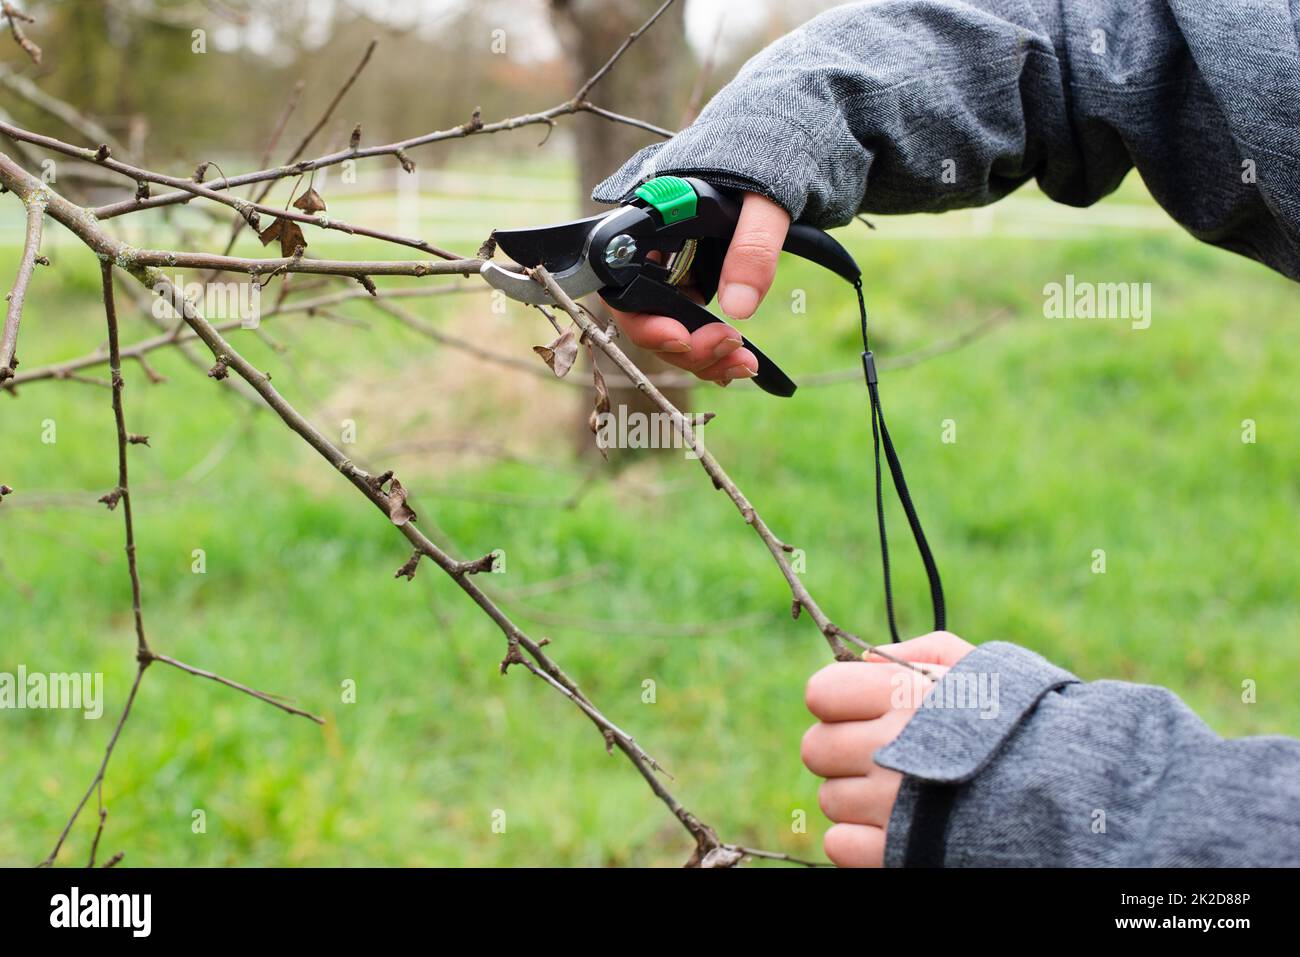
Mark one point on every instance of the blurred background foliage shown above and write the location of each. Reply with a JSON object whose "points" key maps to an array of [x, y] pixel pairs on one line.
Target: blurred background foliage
{"points": [[1072, 435]]}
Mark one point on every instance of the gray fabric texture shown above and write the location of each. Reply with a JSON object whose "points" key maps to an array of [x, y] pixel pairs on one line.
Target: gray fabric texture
{"points": [[867, 106], [1104, 773]]}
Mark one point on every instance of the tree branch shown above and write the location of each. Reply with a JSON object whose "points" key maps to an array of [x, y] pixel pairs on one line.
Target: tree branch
{"points": [[16, 18], [623, 47], [122, 494], [803, 600], [34, 200], [103, 766], [273, 700], [61, 110], [185, 337], [249, 210]]}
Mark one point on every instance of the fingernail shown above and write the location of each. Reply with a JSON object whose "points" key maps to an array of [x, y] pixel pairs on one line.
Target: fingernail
{"points": [[675, 345], [727, 346], [738, 300], [741, 372]]}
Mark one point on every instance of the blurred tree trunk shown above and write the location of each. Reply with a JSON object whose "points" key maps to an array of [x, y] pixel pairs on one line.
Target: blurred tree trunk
{"points": [[649, 82]]}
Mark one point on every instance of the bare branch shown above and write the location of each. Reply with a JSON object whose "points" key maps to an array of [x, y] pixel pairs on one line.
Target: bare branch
{"points": [[123, 489], [270, 699], [185, 337], [295, 95], [778, 549], [103, 766], [623, 47], [331, 159], [475, 126], [249, 210], [34, 200], [16, 18], [61, 110], [626, 120], [333, 104]]}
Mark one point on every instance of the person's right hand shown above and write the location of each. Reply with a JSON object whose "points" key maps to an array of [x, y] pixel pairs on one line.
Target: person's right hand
{"points": [[714, 352]]}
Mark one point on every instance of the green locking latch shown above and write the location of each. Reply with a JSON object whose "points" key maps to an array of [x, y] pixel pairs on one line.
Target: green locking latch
{"points": [[671, 195]]}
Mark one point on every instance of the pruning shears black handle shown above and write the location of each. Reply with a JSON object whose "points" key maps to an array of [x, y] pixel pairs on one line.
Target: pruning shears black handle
{"points": [[690, 224], [711, 230], [807, 242]]}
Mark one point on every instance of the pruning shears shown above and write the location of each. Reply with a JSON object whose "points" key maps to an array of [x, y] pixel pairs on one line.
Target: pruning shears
{"points": [[689, 223]]}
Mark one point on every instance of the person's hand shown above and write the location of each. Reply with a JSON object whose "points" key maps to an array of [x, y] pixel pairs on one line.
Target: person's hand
{"points": [[714, 352], [861, 707]]}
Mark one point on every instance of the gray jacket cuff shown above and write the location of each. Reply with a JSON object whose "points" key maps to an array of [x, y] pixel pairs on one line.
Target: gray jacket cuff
{"points": [[962, 724], [759, 153], [969, 713]]}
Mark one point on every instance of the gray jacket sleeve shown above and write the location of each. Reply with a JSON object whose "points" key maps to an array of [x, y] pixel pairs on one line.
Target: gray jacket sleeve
{"points": [[1039, 769], [904, 106]]}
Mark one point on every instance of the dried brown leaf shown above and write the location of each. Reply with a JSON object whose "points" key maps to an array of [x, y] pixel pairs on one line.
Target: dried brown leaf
{"points": [[560, 354], [272, 232], [310, 202], [602, 392], [292, 241], [601, 405], [398, 510]]}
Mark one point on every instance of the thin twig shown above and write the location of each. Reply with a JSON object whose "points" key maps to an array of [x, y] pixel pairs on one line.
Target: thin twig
{"points": [[473, 127], [61, 110], [122, 494], [609, 64], [67, 369], [35, 203], [249, 210], [16, 18], [626, 120], [333, 104], [103, 766], [273, 700], [780, 551]]}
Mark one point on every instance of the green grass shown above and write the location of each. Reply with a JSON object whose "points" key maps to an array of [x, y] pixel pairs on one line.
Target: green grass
{"points": [[1072, 435]]}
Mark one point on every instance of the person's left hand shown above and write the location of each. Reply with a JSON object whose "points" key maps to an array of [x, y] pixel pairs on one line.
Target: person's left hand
{"points": [[863, 706]]}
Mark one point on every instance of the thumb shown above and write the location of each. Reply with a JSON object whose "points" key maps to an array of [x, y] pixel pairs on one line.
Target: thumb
{"points": [[936, 648], [750, 265]]}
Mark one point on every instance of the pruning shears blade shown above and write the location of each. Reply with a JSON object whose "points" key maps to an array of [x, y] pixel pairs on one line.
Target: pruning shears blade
{"points": [[556, 247], [562, 249]]}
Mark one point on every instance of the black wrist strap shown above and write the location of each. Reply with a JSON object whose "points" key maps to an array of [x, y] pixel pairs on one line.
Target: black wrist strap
{"points": [[880, 438], [927, 838]]}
